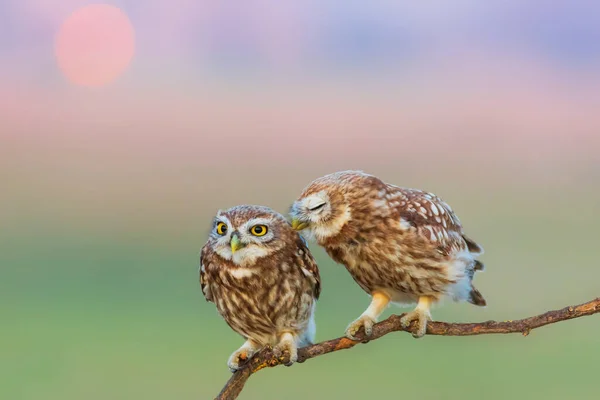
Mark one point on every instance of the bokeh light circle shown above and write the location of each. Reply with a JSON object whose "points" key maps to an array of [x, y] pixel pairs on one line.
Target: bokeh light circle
{"points": [[95, 45]]}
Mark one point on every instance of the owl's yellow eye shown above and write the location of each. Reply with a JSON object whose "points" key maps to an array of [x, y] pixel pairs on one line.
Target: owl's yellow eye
{"points": [[221, 228], [258, 230]]}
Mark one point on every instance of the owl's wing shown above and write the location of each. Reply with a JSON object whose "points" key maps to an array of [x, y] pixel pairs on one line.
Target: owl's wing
{"points": [[206, 255], [432, 218], [309, 266]]}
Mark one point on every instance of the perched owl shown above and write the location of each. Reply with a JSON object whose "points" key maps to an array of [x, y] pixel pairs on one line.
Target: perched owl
{"points": [[263, 280], [400, 245]]}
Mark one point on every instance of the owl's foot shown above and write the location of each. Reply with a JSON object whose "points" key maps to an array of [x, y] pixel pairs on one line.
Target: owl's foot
{"points": [[420, 314], [379, 302], [421, 317], [242, 355], [364, 321], [286, 345]]}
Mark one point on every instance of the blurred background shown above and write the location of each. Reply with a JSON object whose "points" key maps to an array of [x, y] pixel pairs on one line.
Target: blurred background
{"points": [[124, 127]]}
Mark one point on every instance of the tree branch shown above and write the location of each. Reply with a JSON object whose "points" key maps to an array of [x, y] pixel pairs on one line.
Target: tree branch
{"points": [[266, 358]]}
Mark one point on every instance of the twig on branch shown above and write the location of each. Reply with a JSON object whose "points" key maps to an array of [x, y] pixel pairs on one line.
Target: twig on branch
{"points": [[266, 358]]}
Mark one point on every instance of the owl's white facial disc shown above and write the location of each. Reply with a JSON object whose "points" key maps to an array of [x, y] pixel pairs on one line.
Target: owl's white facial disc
{"points": [[221, 240], [331, 227], [317, 211], [252, 245], [315, 208], [316, 203]]}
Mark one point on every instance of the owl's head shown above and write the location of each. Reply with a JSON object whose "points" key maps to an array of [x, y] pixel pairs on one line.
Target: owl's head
{"points": [[244, 234], [324, 208]]}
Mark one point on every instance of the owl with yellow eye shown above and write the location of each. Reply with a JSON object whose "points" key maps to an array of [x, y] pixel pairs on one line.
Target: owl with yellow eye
{"points": [[263, 280]]}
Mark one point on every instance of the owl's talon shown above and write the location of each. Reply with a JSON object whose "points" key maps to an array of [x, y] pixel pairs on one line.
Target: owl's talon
{"points": [[364, 321], [292, 361], [240, 357], [277, 352], [421, 317], [284, 348]]}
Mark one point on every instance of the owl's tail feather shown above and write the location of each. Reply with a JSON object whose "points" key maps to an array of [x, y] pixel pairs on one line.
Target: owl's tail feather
{"points": [[476, 298], [478, 266], [473, 246]]}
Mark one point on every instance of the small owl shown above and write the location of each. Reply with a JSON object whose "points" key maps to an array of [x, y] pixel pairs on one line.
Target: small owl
{"points": [[400, 245], [263, 280]]}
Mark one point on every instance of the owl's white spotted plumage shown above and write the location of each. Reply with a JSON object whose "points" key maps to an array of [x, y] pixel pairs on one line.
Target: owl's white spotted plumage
{"points": [[400, 245], [263, 280]]}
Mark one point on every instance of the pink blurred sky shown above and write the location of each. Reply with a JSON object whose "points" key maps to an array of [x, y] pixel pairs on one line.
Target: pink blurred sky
{"points": [[228, 102], [502, 84]]}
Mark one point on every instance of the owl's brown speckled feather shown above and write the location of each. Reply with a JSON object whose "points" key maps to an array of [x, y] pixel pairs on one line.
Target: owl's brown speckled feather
{"points": [[407, 245], [266, 290]]}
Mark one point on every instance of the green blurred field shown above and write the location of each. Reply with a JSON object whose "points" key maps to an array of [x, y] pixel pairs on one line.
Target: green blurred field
{"points": [[90, 311]]}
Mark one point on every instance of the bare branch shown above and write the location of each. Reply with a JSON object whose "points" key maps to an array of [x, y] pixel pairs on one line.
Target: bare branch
{"points": [[266, 359]]}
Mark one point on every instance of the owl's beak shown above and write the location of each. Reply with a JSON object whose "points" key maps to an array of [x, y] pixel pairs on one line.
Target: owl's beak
{"points": [[235, 243], [298, 225]]}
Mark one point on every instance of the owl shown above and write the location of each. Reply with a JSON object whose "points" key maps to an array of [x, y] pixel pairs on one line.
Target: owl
{"points": [[400, 245], [263, 280]]}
